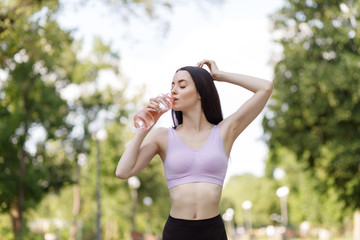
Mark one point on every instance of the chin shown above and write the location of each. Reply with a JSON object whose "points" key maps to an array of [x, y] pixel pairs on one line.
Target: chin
{"points": [[175, 108]]}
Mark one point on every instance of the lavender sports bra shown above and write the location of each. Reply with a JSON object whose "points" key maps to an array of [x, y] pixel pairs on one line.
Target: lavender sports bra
{"points": [[186, 165]]}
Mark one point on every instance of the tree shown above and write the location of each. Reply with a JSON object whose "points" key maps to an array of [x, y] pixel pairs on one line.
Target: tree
{"points": [[92, 111], [315, 108], [305, 201], [39, 60], [105, 107], [36, 58]]}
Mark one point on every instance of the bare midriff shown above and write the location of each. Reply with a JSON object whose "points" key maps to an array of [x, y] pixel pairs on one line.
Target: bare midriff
{"points": [[195, 201]]}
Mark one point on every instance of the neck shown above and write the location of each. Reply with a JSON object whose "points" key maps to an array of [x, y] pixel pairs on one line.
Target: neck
{"points": [[195, 121]]}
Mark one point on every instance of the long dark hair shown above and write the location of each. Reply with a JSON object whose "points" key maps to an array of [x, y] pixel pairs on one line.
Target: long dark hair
{"points": [[210, 101]]}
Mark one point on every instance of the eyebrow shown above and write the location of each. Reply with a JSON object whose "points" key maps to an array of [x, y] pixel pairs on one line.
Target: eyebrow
{"points": [[180, 81]]}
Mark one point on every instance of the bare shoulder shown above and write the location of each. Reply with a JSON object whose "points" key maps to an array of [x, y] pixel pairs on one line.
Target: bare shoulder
{"points": [[160, 137], [158, 133]]}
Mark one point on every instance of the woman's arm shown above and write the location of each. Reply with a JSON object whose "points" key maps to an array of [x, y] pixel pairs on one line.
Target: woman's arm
{"points": [[140, 150], [136, 156], [238, 121]]}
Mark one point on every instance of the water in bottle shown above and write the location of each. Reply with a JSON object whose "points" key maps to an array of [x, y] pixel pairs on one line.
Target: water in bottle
{"points": [[145, 118]]}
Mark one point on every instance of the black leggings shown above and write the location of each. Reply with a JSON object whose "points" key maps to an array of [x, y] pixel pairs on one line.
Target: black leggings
{"points": [[205, 229]]}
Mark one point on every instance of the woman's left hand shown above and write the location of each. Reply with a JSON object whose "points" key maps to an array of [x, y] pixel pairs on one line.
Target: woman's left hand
{"points": [[214, 70]]}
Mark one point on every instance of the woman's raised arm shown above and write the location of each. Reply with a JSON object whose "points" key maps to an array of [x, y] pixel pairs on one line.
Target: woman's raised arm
{"points": [[141, 149], [246, 113]]}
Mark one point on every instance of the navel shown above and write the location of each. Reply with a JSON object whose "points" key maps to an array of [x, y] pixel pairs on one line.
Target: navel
{"points": [[195, 215]]}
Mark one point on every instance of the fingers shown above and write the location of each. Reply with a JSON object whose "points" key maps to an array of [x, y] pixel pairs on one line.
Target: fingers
{"points": [[209, 63], [206, 62], [159, 104], [153, 105]]}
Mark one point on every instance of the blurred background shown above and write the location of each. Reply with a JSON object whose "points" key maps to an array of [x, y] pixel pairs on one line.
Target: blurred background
{"points": [[73, 73]]}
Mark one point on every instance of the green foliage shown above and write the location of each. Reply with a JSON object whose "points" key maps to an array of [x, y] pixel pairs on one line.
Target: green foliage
{"points": [[315, 108], [115, 201], [30, 100], [307, 201], [5, 226], [260, 191], [132, 7], [39, 60], [107, 107]]}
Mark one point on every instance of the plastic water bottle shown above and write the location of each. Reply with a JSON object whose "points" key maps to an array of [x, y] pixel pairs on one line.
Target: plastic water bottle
{"points": [[145, 119]]}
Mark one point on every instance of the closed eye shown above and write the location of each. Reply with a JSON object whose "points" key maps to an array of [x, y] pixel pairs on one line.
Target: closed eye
{"points": [[181, 81], [182, 87]]}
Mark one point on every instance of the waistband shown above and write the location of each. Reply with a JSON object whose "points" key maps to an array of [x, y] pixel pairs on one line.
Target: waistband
{"points": [[201, 222]]}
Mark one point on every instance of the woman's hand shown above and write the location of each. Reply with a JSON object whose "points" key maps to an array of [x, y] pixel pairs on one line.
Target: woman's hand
{"points": [[214, 70], [153, 105], [158, 106]]}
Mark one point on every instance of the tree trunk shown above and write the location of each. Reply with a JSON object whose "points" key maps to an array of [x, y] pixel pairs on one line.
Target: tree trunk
{"points": [[357, 225], [76, 205], [17, 206], [16, 218]]}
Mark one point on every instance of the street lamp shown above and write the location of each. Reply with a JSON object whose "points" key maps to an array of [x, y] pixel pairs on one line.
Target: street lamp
{"points": [[98, 136], [246, 205], [282, 193], [134, 184], [148, 202], [228, 218], [279, 173]]}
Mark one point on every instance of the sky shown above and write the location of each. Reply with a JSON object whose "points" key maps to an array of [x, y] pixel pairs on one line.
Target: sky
{"points": [[236, 34]]}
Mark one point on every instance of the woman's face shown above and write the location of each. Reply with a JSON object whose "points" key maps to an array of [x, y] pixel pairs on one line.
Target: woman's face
{"points": [[183, 91]]}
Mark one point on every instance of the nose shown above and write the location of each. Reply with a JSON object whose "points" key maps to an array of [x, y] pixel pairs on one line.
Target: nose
{"points": [[173, 91]]}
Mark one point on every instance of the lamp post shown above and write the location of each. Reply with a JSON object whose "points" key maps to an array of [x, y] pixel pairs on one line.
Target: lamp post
{"points": [[134, 184], [148, 202], [279, 173], [246, 205], [282, 193], [228, 218], [98, 136]]}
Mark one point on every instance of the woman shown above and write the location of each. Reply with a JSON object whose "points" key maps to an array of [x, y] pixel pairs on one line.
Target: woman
{"points": [[195, 152]]}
